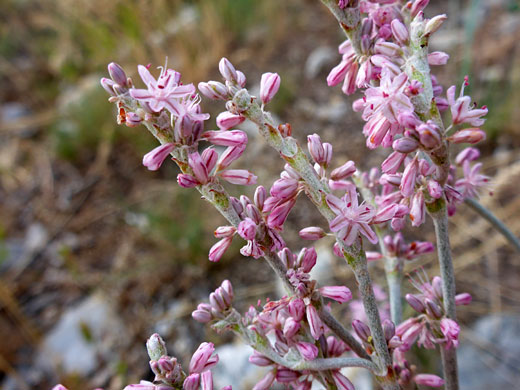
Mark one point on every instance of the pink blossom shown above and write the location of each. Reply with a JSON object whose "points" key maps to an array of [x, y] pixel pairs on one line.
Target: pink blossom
{"points": [[461, 109], [269, 85], [469, 185], [307, 350], [428, 380], [238, 176], [163, 92], [340, 294], [352, 218], [202, 359], [450, 329]]}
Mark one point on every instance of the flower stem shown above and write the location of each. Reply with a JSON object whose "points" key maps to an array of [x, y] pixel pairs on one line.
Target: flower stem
{"points": [[394, 278], [440, 221], [493, 220]]}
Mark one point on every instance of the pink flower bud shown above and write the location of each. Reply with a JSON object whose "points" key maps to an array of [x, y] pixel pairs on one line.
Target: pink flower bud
{"points": [[315, 325], [307, 350], [434, 189], [399, 31], [200, 172], [337, 74], [405, 145], [386, 213], [450, 329], [231, 154], [241, 79], [266, 382], [341, 185], [108, 85], [415, 303], [312, 233], [238, 177], [388, 329], [341, 381], [307, 259], [437, 286], [285, 375], [429, 135], [214, 90], [344, 171], [418, 6], [209, 157], [432, 309], [340, 294], [328, 154], [393, 162], [417, 211], [463, 299], [227, 70], [277, 217], [227, 120], [247, 229], [269, 85], [117, 74], [206, 380], [373, 256], [408, 120], [387, 48], [203, 313], [191, 382], [316, 148], [202, 359], [468, 154], [438, 58], [428, 380], [226, 138], [297, 309], [217, 251], [284, 188], [471, 136], [60, 387], [187, 181], [259, 360], [410, 336], [407, 186], [154, 159], [349, 84], [361, 329], [291, 327]]}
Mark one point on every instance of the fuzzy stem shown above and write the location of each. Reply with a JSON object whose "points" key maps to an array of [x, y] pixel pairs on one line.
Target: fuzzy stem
{"points": [[495, 222], [440, 221], [394, 278], [317, 191]]}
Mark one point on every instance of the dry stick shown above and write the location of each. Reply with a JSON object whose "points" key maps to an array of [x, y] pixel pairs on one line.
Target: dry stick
{"points": [[493, 220], [317, 191], [219, 198]]}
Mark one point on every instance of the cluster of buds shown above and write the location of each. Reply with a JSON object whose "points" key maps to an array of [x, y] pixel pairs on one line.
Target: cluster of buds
{"points": [[169, 374], [431, 327], [397, 247], [220, 302]]}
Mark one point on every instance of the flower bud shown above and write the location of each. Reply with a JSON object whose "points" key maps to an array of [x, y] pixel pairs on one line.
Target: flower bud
{"points": [[307, 259], [209, 157], [316, 148], [388, 329], [291, 327], [434, 24], [405, 145], [399, 31], [226, 138], [154, 159], [407, 186], [156, 347], [191, 382], [432, 309], [415, 303], [315, 325], [227, 70], [187, 181], [428, 380], [247, 229], [231, 154], [259, 360], [463, 299], [266, 382], [241, 79], [438, 58], [269, 85], [417, 211], [202, 313], [468, 154], [471, 136], [117, 74], [217, 251], [238, 177], [340, 294], [393, 162], [344, 171], [200, 172], [341, 381], [214, 90], [361, 329], [312, 233], [337, 74], [418, 6], [226, 120], [108, 85], [297, 309], [307, 350]]}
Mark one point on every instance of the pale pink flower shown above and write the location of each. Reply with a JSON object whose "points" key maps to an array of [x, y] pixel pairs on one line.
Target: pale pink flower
{"points": [[154, 159], [468, 186], [352, 218], [462, 111], [163, 92]]}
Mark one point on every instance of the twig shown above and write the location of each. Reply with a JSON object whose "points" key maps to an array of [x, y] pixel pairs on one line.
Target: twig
{"points": [[494, 221]]}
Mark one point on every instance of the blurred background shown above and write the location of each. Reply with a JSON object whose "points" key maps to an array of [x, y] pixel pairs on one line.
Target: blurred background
{"points": [[97, 253]]}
